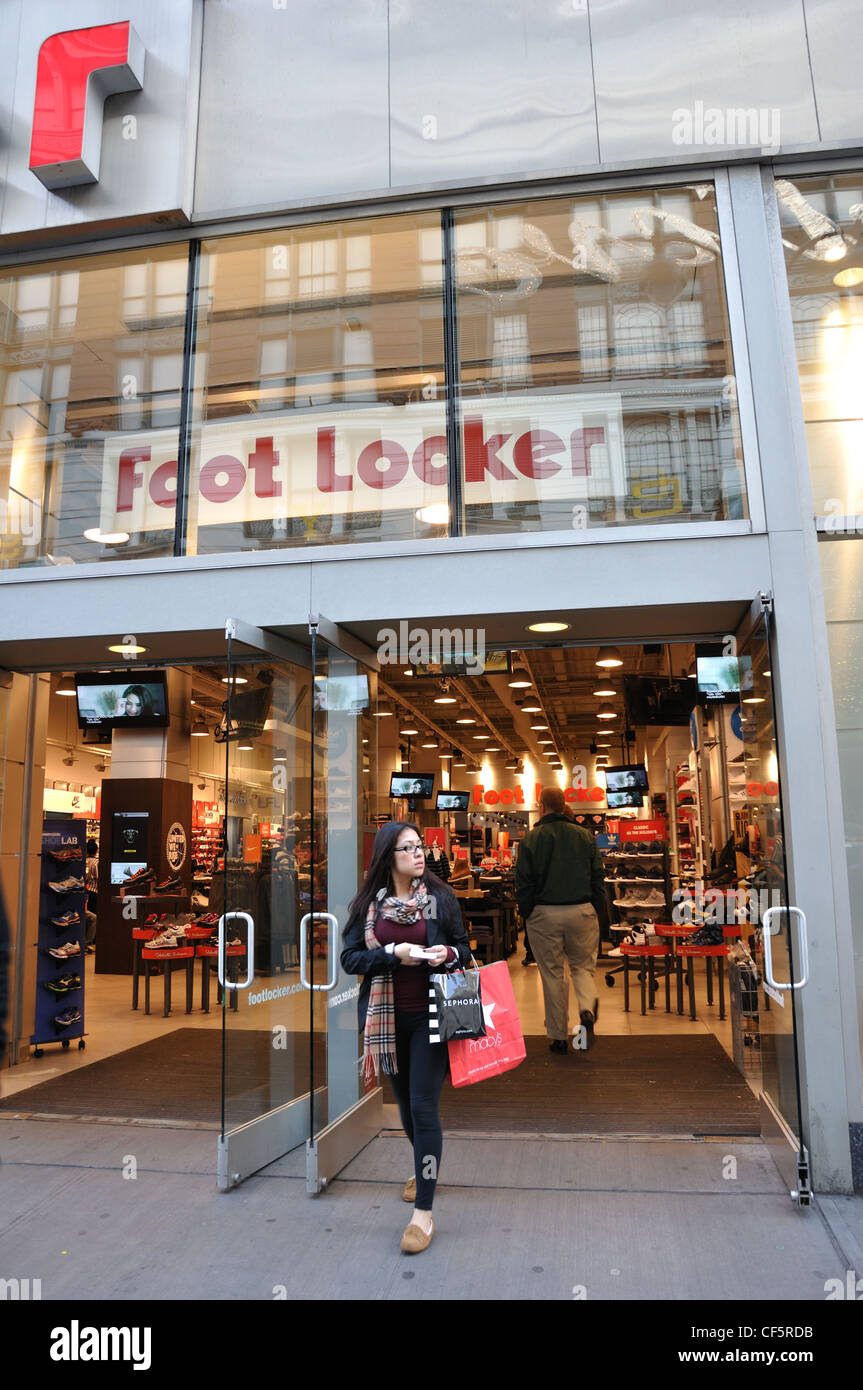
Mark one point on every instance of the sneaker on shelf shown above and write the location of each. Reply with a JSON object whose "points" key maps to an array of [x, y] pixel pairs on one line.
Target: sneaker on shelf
{"points": [[170, 885], [173, 935], [63, 855], [67, 885], [69, 948], [64, 985], [709, 935], [69, 919], [654, 897], [67, 1018]]}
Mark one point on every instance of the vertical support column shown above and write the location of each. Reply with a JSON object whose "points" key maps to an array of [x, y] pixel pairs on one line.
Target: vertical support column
{"points": [[21, 792]]}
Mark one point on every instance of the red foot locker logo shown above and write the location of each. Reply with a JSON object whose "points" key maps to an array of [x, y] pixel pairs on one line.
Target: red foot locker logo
{"points": [[76, 71]]}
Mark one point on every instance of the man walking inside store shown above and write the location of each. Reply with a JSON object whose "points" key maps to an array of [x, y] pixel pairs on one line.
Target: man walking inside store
{"points": [[560, 885]]}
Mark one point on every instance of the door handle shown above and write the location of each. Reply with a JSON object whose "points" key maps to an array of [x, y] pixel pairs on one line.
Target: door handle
{"points": [[331, 943], [768, 949], [250, 951]]}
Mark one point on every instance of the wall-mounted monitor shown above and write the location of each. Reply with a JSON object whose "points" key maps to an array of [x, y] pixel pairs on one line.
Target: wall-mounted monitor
{"points": [[452, 801], [626, 777], [723, 677], [620, 800], [419, 786], [138, 700]]}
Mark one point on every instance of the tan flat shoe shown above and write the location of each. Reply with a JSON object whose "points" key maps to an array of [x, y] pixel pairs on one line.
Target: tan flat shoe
{"points": [[415, 1239], [409, 1191]]}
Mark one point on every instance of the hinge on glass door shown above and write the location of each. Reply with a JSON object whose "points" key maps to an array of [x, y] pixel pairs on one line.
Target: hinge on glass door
{"points": [[766, 598], [802, 1194]]}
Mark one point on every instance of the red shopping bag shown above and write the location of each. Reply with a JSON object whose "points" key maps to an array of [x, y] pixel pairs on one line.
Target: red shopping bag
{"points": [[502, 1048]]}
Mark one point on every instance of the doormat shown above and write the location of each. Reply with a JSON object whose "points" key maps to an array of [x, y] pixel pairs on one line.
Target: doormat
{"points": [[178, 1077], [662, 1084]]}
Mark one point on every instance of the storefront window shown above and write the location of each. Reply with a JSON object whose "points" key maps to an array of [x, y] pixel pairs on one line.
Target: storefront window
{"points": [[597, 381], [92, 353], [822, 234], [320, 410]]}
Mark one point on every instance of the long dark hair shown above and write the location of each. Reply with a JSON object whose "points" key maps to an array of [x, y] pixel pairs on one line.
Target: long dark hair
{"points": [[380, 871], [142, 694]]}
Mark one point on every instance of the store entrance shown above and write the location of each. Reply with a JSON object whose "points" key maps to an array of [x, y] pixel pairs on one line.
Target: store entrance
{"points": [[666, 752]]}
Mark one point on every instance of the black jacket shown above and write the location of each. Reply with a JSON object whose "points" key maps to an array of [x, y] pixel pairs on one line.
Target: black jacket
{"points": [[444, 929]]}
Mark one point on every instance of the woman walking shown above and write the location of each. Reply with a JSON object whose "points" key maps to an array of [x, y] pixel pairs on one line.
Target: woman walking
{"points": [[401, 907]]}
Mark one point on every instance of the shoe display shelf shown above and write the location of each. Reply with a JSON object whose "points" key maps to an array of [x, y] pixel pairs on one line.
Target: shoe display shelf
{"points": [[52, 1007]]}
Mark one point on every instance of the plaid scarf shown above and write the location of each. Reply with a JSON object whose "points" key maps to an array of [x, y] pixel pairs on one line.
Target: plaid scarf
{"points": [[379, 1039]]}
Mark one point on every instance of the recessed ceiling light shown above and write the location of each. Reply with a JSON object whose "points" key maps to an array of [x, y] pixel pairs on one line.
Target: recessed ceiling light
{"points": [[436, 515], [126, 648], [106, 537], [234, 680], [548, 627], [754, 700]]}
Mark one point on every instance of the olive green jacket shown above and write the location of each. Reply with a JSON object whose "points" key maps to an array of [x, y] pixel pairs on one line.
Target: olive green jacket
{"points": [[558, 862]]}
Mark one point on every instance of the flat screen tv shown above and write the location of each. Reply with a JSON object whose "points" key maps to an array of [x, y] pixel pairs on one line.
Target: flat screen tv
{"points": [[133, 700], [723, 677], [419, 786], [626, 777], [452, 801], [618, 800]]}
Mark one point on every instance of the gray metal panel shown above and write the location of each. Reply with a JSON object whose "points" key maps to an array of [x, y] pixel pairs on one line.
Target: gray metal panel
{"points": [[10, 26], [141, 177], [293, 102], [651, 61], [836, 56], [489, 88]]}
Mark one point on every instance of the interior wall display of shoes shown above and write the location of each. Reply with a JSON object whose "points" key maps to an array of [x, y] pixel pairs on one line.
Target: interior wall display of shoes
{"points": [[639, 876], [59, 1015]]}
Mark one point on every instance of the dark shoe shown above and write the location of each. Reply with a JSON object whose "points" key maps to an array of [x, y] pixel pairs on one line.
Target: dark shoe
{"points": [[559, 1045], [171, 885], [588, 1019], [595, 1010], [142, 876]]}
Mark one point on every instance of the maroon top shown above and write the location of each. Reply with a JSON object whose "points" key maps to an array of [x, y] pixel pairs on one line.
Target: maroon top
{"points": [[410, 982]]}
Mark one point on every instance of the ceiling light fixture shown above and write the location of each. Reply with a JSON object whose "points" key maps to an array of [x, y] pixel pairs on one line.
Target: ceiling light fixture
{"points": [[465, 721], [548, 627], [234, 680], [126, 648], [608, 657], [199, 729], [408, 732], [445, 700], [106, 537], [605, 690], [519, 684], [539, 726], [531, 709], [606, 712], [66, 686]]}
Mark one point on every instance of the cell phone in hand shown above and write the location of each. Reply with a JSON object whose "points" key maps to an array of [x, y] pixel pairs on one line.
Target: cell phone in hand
{"points": [[420, 953]]}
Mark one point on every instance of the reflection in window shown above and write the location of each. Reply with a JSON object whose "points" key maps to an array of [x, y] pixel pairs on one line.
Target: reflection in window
{"points": [[92, 356], [595, 360], [321, 413]]}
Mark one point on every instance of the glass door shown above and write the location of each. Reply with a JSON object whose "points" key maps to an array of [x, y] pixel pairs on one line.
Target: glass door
{"points": [[773, 930], [348, 1112], [294, 758]]}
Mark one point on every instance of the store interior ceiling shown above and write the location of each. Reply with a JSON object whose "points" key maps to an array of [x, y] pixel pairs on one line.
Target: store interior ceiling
{"points": [[555, 688]]}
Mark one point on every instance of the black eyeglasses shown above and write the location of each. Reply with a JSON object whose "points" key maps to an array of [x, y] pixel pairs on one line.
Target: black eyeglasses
{"points": [[409, 849]]}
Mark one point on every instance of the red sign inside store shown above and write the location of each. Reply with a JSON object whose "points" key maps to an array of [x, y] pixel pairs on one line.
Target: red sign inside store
{"points": [[514, 796], [639, 829]]}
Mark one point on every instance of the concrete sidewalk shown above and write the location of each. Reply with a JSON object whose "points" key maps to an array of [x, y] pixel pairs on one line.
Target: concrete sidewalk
{"points": [[516, 1219]]}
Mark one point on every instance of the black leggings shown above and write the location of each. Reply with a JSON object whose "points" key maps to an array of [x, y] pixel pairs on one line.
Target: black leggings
{"points": [[422, 1066]]}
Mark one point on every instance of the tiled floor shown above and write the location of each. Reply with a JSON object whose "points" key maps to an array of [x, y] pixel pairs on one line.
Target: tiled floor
{"points": [[112, 1026]]}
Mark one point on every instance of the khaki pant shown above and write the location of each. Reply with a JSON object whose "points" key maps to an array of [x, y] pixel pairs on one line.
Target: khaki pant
{"points": [[570, 931]]}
